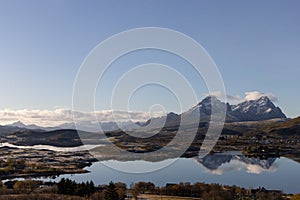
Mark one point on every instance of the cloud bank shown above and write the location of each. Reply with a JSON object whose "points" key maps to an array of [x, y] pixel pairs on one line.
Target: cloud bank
{"points": [[50, 118]]}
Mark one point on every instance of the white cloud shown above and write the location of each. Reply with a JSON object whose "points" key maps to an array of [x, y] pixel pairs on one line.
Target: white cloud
{"points": [[235, 99], [256, 95], [48, 118]]}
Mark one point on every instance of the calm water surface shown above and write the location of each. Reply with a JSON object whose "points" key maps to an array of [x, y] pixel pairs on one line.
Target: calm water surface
{"points": [[228, 169]]}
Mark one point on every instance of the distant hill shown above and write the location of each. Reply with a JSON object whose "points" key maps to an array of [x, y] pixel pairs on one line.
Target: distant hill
{"points": [[59, 138], [21, 125], [290, 128], [90, 126]]}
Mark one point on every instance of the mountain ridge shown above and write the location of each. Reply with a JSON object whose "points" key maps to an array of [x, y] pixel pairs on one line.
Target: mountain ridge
{"points": [[254, 110], [260, 109]]}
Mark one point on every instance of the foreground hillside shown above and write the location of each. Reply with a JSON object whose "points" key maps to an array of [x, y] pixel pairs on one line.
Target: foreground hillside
{"points": [[67, 189]]}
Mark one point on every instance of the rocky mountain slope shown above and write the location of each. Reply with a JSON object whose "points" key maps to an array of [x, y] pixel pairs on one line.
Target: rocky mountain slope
{"points": [[254, 110]]}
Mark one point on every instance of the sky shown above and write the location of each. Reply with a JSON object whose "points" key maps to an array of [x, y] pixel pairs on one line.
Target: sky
{"points": [[255, 45]]}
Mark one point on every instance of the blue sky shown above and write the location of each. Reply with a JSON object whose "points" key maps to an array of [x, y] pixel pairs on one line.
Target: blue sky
{"points": [[255, 45]]}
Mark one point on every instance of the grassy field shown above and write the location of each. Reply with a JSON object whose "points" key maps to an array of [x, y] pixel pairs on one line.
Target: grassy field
{"points": [[158, 197], [39, 197]]}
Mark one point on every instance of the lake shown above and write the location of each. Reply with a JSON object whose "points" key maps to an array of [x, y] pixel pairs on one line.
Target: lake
{"points": [[230, 168], [52, 148]]}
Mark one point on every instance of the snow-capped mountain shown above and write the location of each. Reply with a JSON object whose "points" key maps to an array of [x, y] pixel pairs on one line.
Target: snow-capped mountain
{"points": [[255, 110]]}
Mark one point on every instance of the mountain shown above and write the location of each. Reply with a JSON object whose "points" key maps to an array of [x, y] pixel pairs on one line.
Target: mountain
{"points": [[21, 125], [204, 109], [256, 110], [17, 124], [171, 119], [205, 106], [105, 126], [88, 126]]}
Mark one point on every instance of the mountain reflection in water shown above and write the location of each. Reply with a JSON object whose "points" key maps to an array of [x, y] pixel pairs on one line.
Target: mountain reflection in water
{"points": [[220, 163]]}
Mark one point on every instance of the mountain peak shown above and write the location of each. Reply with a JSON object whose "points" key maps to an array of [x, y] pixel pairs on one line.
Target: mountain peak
{"points": [[210, 98], [172, 114], [207, 101], [263, 100], [262, 103], [259, 109], [251, 110], [18, 124]]}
